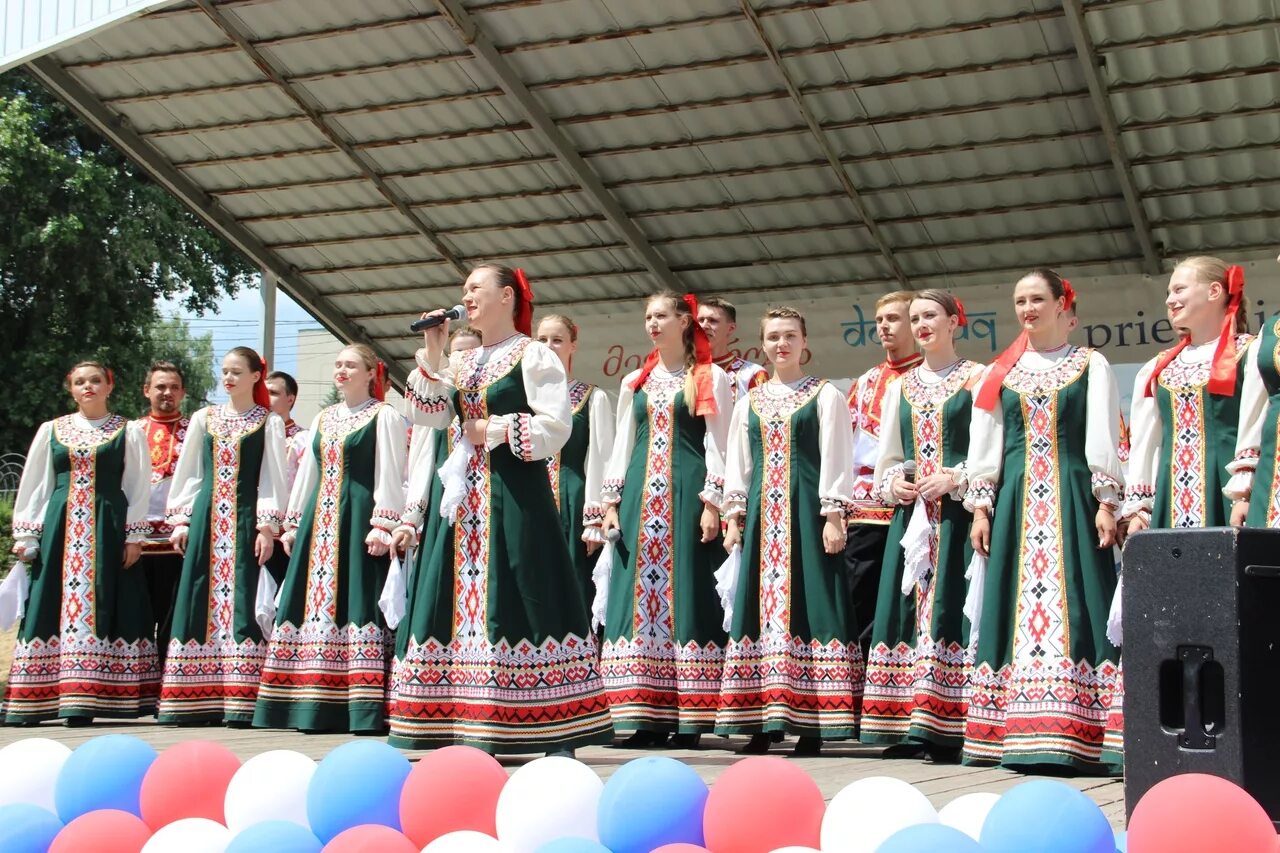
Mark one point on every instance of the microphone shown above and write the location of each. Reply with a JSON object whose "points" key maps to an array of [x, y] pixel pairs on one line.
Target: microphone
{"points": [[457, 312], [909, 470]]}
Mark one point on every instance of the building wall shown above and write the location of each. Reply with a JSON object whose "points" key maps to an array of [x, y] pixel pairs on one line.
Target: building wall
{"points": [[29, 28], [314, 372]]}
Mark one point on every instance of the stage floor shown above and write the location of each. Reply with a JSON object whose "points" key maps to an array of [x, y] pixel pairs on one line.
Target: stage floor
{"points": [[841, 763]]}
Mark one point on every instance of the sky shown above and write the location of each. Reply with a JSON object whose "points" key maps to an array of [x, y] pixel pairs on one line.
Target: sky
{"points": [[238, 322]]}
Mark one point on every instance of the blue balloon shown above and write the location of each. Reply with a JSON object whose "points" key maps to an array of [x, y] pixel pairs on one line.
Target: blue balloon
{"points": [[275, 836], [929, 838], [25, 828], [1122, 841], [650, 802], [573, 845], [356, 784], [1044, 816], [103, 773]]}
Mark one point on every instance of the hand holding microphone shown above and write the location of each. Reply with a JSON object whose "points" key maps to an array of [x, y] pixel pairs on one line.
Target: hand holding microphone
{"points": [[904, 486], [437, 318]]}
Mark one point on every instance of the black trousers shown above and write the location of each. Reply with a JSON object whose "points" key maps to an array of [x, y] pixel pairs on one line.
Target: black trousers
{"points": [[163, 572], [863, 559]]}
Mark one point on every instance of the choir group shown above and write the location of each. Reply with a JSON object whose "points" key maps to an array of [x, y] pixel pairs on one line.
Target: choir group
{"points": [[930, 562]]}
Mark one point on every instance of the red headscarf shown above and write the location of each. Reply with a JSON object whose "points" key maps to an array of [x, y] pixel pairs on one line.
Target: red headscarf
{"points": [[262, 396], [1222, 374], [989, 393], [379, 392], [524, 314], [703, 384]]}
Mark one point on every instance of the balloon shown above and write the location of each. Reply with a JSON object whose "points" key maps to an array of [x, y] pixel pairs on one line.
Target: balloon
{"points": [[797, 850], [450, 790], [929, 838], [29, 771], [968, 813], [103, 773], [371, 838], [548, 798], [867, 812], [1195, 811], [1044, 816], [573, 845], [190, 835], [760, 804], [1122, 842], [357, 784], [25, 828], [270, 786], [188, 780], [103, 831], [463, 841], [650, 802], [681, 848], [275, 836]]}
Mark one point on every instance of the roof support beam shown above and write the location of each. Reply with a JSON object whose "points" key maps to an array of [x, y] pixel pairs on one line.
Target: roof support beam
{"points": [[1090, 63], [333, 318], [312, 111], [833, 156], [487, 54]]}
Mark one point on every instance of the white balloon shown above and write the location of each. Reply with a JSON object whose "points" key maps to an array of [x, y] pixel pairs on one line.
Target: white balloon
{"points": [[862, 816], [29, 771], [465, 841], [190, 835], [968, 813], [548, 798], [796, 850], [270, 786]]}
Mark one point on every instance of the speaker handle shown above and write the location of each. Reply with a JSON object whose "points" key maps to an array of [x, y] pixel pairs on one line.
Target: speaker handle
{"points": [[1262, 571]]}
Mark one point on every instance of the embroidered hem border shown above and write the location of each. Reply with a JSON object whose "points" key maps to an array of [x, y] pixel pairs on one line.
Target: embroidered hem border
{"points": [[676, 690], [806, 688], [217, 680], [93, 677], [916, 693]]}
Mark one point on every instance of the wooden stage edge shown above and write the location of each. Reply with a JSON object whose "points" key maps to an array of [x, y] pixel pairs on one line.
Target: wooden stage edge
{"points": [[840, 764]]}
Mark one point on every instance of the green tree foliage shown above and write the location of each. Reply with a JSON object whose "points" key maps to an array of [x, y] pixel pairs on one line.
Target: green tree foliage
{"points": [[90, 246]]}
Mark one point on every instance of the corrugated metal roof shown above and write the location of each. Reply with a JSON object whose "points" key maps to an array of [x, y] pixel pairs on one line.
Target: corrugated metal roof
{"points": [[967, 132]]}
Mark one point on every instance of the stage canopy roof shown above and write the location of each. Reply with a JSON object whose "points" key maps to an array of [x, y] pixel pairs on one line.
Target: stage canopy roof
{"points": [[367, 153]]}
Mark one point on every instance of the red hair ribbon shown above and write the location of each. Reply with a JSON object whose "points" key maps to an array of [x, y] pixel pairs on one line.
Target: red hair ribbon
{"points": [[380, 381], [1222, 373], [703, 384], [261, 395], [960, 315], [524, 314], [1068, 295]]}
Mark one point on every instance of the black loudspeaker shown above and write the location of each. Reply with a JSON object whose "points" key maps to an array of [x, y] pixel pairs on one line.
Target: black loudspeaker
{"points": [[1202, 659]]}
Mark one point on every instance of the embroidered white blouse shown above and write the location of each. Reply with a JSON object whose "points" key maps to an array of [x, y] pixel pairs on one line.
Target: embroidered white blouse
{"points": [[599, 449]]}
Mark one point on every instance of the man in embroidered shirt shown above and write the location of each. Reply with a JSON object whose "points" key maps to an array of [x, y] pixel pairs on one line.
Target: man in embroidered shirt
{"points": [[165, 428], [719, 319], [869, 521]]}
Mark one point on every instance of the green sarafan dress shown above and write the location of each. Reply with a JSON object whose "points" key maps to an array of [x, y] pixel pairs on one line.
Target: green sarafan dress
{"points": [[328, 657], [577, 475], [1046, 458], [792, 663], [495, 650], [86, 645], [229, 485], [663, 648], [917, 679], [1256, 467]]}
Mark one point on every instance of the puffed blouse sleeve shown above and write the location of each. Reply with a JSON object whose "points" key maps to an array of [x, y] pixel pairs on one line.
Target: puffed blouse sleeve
{"points": [[892, 456], [599, 447], [1253, 413], [540, 434], [429, 391], [1144, 447], [835, 439], [624, 442], [273, 489], [737, 465], [304, 484], [34, 490], [717, 438], [1102, 433], [422, 470], [136, 483], [388, 474], [986, 452], [188, 474]]}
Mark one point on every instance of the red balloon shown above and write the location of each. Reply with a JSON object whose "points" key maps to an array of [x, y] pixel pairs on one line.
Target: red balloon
{"points": [[680, 847], [102, 831], [370, 838], [760, 804], [450, 790], [1195, 812], [187, 780]]}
